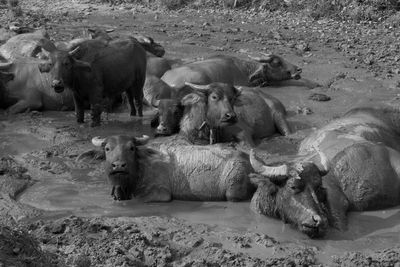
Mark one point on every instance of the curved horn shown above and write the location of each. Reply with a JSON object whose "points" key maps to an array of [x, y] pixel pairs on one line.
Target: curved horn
{"points": [[254, 58], [142, 140], [74, 51], [5, 65], [198, 86], [270, 172], [266, 55], [323, 165], [97, 141]]}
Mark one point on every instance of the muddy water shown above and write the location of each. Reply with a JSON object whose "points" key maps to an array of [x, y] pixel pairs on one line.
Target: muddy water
{"points": [[85, 192]]}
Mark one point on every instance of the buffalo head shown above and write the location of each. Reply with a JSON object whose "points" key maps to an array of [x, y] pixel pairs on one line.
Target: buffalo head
{"points": [[62, 66], [219, 99], [170, 113], [121, 163], [273, 68], [292, 193], [149, 45]]}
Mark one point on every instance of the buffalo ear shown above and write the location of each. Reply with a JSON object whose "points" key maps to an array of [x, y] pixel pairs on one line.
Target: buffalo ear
{"points": [[141, 140], [47, 45], [91, 155], [44, 67], [262, 183], [190, 99], [83, 65]]}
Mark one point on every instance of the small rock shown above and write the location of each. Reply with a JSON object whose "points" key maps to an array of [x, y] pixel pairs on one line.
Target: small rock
{"points": [[304, 110], [319, 97]]}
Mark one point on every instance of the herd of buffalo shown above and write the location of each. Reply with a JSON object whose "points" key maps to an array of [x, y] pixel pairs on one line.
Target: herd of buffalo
{"points": [[215, 110]]}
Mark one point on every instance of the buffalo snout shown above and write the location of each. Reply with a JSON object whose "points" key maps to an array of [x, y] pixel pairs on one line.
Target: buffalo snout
{"points": [[161, 129], [229, 117], [314, 226], [296, 74], [57, 86], [118, 166]]}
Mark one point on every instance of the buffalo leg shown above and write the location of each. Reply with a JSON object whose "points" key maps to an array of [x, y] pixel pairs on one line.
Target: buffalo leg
{"points": [[281, 124], [96, 105], [129, 95], [139, 104], [79, 109], [96, 114], [23, 105], [137, 91]]}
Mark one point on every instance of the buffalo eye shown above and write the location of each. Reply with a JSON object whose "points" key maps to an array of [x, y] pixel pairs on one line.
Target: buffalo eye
{"points": [[276, 62], [132, 148], [107, 149], [214, 97]]}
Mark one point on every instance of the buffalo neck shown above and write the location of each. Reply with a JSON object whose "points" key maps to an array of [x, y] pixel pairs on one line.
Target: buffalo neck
{"points": [[193, 121], [247, 66]]}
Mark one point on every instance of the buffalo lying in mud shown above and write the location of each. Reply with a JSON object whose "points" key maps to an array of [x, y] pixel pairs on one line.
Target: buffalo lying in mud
{"points": [[200, 112], [99, 75], [360, 152], [30, 89], [232, 70], [23, 45], [259, 115], [175, 169], [183, 172]]}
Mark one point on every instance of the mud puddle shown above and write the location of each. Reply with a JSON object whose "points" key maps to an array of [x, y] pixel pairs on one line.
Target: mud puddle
{"points": [[63, 187]]}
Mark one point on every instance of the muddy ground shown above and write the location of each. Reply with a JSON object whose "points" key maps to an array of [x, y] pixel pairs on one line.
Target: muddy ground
{"points": [[57, 211]]}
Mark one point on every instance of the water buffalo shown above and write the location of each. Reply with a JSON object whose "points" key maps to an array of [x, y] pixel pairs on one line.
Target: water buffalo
{"points": [[259, 115], [174, 171], [232, 70], [293, 193], [361, 153], [205, 110], [30, 89], [94, 77]]}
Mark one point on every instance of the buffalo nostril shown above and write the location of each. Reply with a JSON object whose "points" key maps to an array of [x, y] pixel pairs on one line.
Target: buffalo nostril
{"points": [[317, 219], [123, 165]]}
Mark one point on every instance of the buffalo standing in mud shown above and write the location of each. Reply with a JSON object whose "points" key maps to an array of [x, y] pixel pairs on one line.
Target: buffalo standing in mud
{"points": [[257, 117], [360, 153], [107, 71]]}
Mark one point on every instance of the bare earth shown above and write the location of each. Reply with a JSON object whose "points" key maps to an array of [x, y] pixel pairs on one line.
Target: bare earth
{"points": [[57, 211]]}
